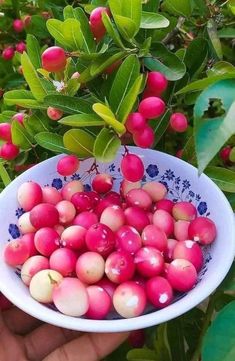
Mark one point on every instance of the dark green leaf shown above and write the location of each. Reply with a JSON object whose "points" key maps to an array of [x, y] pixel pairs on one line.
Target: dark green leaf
{"points": [[68, 104], [181, 7], [151, 5], [160, 126], [228, 283], [37, 27], [23, 98], [196, 56], [176, 339], [141, 354], [34, 51], [214, 38], [189, 152], [104, 62], [224, 178], [82, 120], [20, 136], [161, 344], [227, 33], [106, 145], [79, 142], [51, 141], [153, 21], [36, 123]]}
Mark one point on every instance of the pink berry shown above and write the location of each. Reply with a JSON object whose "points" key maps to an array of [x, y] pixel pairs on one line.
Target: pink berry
{"points": [[107, 285], [90, 267], [46, 241], [152, 107], [85, 219], [9, 151], [99, 303], [182, 275], [19, 117], [164, 221], [149, 262], [82, 201], [154, 237], [21, 47], [51, 195], [54, 113], [70, 297], [68, 165], [100, 238], [159, 292], [135, 122], [18, 25], [66, 211], [136, 217], [113, 217], [25, 225], [126, 186], [181, 230], [179, 122], [144, 138], [202, 230], [165, 204], [156, 190], [150, 217], [132, 168], [16, 252], [156, 82], [54, 59], [129, 299], [184, 211], [168, 254], [42, 285], [5, 132], [191, 251], [225, 153], [113, 197], [95, 198], [69, 189], [44, 215], [139, 198], [137, 339], [128, 240], [63, 260], [29, 195], [75, 75], [32, 266], [96, 23], [8, 53], [5, 304], [119, 267], [102, 183], [28, 239], [74, 237]]}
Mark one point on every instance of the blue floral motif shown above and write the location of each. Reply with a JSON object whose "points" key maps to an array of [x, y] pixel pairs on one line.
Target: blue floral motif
{"points": [[177, 180], [57, 183], [186, 184], [112, 167], [198, 197], [14, 230], [87, 187], [169, 174], [202, 208], [19, 212], [152, 170], [144, 179], [165, 184], [191, 194], [75, 176], [177, 188]]}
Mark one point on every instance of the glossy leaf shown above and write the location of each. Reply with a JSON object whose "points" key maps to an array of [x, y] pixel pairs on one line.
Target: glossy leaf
{"points": [[55, 28], [153, 21], [107, 115], [141, 354], [161, 343], [33, 51], [20, 136], [82, 120], [89, 44], [182, 7], [4, 175], [224, 178], [79, 142], [67, 33], [51, 141], [36, 123], [214, 38], [160, 126], [196, 56], [151, 5], [106, 145], [111, 30], [23, 98], [125, 26], [104, 62], [68, 104], [123, 11]]}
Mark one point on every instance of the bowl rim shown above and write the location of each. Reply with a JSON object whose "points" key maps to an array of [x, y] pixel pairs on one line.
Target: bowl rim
{"points": [[186, 303]]}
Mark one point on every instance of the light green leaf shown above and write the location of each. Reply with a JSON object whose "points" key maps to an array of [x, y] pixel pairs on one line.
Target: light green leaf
{"points": [[181, 7], [153, 21], [105, 113], [89, 44], [22, 98], [36, 123], [32, 78], [220, 68], [129, 10], [33, 50], [82, 120], [227, 33], [231, 6], [79, 142], [51, 141], [214, 38], [4, 175], [20, 136], [106, 145], [55, 28], [113, 33], [73, 34], [141, 354], [68, 104], [126, 26], [224, 178]]}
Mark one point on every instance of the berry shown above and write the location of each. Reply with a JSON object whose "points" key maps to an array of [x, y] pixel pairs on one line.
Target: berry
{"points": [[184, 211], [190, 251], [165, 204], [28, 239], [113, 217], [181, 230], [126, 186], [159, 292], [135, 122], [44, 215], [144, 138], [99, 303], [63, 260], [152, 107], [202, 230], [68, 165], [8, 53], [156, 82], [16, 252], [102, 183], [128, 240], [132, 168], [82, 201], [225, 153], [21, 47], [85, 219], [54, 59], [69, 189], [182, 275], [73, 237], [42, 285], [19, 117], [156, 190], [164, 221], [149, 262], [179, 122], [18, 25], [25, 225], [119, 267], [100, 238], [66, 211], [5, 132], [139, 198], [54, 114], [154, 237], [9, 151], [32, 266], [29, 195], [90, 267], [96, 23], [46, 241], [136, 217], [51, 195]]}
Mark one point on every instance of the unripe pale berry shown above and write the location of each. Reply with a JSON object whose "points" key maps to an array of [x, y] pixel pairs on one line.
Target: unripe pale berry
{"points": [[5, 132], [63, 260], [159, 292], [156, 82], [9, 151], [132, 168], [85, 219], [75, 75], [182, 275], [100, 238], [51, 195], [129, 299], [66, 211], [181, 230], [156, 190], [113, 217], [165, 204], [54, 59], [70, 297], [25, 225], [19, 117], [139, 198], [102, 183], [54, 113], [119, 267], [126, 186], [135, 123], [69, 189], [202, 230], [100, 303], [184, 211], [152, 107], [18, 25], [21, 47], [32, 266], [144, 138], [149, 262], [16, 252], [154, 237], [44, 215], [136, 217], [29, 194], [74, 237], [164, 221], [68, 165], [46, 241], [191, 251], [179, 122], [8, 53], [90, 267], [128, 240], [42, 284]]}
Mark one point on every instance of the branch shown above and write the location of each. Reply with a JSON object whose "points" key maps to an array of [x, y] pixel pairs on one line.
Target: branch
{"points": [[175, 31]]}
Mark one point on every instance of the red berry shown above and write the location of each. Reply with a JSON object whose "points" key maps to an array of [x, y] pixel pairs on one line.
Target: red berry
{"points": [[18, 25], [159, 292], [96, 23], [5, 132], [182, 275], [144, 138], [132, 168], [152, 107], [54, 59], [149, 262], [82, 201], [202, 230], [179, 122], [119, 267], [68, 165], [156, 82], [9, 151], [8, 53], [102, 183], [100, 238], [21, 47], [225, 152], [54, 114], [135, 122]]}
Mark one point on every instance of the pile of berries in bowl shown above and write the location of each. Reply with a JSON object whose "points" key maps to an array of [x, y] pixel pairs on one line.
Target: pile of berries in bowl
{"points": [[116, 246]]}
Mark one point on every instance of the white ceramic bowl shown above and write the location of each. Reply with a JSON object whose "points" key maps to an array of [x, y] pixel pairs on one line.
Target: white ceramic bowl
{"points": [[183, 183]]}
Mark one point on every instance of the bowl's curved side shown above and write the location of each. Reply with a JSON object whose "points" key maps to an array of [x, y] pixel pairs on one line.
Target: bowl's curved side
{"points": [[183, 183]]}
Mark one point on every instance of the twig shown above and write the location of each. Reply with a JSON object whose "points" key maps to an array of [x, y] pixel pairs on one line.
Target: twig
{"points": [[175, 31]]}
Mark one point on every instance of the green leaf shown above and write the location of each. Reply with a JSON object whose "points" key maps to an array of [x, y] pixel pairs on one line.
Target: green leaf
{"points": [[73, 34], [37, 27], [89, 44], [55, 28], [130, 99], [189, 152], [181, 7], [34, 51], [196, 56], [105, 113], [220, 129], [153, 21], [141, 354], [231, 6], [82, 120], [166, 62], [4, 175], [176, 339], [79, 142], [220, 68], [22, 98], [226, 33], [214, 38], [218, 343], [161, 344], [111, 30], [68, 104], [51, 141], [224, 178], [32, 78], [106, 145], [125, 26], [20, 136], [160, 126], [124, 79], [228, 283], [130, 11], [103, 62], [36, 123], [151, 5]]}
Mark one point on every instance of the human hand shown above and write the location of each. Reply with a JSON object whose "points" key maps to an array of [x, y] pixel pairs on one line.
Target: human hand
{"points": [[23, 338]]}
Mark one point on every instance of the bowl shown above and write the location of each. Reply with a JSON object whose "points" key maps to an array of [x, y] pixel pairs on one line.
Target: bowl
{"points": [[182, 182]]}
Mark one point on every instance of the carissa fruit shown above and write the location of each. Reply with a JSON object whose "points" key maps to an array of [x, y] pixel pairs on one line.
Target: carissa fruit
{"points": [[132, 168]]}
